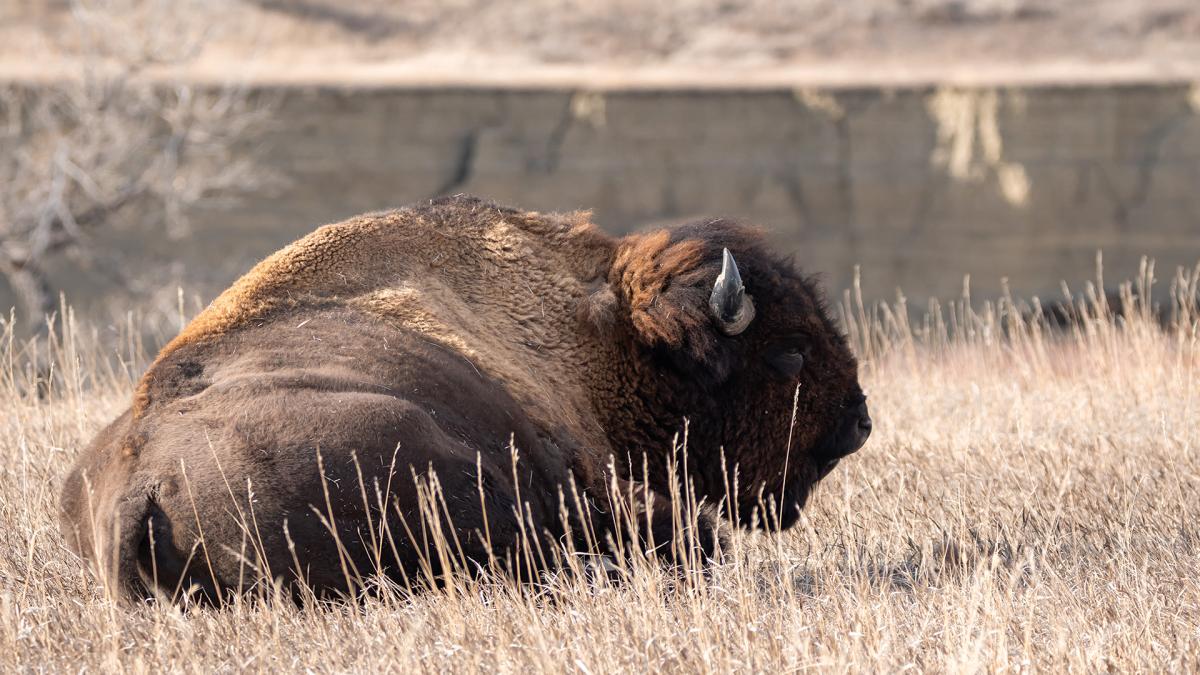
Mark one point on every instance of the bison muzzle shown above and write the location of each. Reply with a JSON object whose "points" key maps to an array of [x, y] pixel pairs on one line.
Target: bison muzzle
{"points": [[514, 365]]}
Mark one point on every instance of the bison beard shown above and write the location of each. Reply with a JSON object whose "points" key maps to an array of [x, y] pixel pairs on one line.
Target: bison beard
{"points": [[474, 371]]}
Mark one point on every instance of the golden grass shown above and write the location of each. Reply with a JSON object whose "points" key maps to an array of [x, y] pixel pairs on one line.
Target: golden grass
{"points": [[1028, 501]]}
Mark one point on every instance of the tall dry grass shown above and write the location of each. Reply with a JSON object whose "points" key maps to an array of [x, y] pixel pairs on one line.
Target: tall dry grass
{"points": [[1029, 500]]}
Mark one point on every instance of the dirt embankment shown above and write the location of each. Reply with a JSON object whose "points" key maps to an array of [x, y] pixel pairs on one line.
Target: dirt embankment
{"points": [[630, 41]]}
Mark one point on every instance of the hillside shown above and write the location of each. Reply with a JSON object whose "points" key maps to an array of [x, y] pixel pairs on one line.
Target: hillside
{"points": [[818, 40]]}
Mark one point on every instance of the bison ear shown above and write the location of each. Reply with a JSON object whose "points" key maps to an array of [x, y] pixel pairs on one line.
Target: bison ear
{"points": [[664, 287], [732, 309]]}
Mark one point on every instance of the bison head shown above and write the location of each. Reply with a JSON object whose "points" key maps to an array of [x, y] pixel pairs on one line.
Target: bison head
{"points": [[720, 332]]}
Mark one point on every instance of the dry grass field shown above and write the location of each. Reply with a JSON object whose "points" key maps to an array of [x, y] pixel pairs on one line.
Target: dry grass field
{"points": [[1029, 501]]}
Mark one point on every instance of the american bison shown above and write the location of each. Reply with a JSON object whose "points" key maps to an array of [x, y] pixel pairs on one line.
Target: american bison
{"points": [[312, 407]]}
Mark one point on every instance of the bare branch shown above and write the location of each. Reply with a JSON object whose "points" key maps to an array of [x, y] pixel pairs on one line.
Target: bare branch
{"points": [[118, 144]]}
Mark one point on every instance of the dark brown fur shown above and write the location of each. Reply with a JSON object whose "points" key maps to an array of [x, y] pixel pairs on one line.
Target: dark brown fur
{"points": [[405, 344]]}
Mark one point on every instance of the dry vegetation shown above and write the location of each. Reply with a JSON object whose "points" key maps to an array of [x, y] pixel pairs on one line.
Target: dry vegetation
{"points": [[1028, 501], [110, 148]]}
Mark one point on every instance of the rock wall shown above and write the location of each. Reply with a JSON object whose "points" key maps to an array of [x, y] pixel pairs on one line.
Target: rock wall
{"points": [[919, 186]]}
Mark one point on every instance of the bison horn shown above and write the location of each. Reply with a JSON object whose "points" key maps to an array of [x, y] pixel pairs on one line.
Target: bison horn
{"points": [[730, 305]]}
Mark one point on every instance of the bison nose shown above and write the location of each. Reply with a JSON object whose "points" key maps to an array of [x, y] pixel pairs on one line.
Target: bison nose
{"points": [[852, 431], [864, 424], [862, 427]]}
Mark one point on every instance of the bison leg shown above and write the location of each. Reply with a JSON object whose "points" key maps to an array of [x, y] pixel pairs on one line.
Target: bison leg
{"points": [[657, 528]]}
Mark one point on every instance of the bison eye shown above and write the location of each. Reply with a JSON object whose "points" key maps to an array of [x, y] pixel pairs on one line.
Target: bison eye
{"points": [[789, 361]]}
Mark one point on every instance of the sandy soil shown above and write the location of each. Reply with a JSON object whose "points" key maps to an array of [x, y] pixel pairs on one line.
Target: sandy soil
{"points": [[734, 41]]}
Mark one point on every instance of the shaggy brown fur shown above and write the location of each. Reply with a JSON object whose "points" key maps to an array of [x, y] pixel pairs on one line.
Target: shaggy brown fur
{"points": [[428, 341]]}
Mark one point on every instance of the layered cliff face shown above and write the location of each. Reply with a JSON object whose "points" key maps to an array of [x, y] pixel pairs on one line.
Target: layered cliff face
{"points": [[918, 185], [921, 139]]}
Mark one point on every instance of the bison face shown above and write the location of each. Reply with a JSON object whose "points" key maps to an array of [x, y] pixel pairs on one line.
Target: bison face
{"points": [[742, 345], [790, 362]]}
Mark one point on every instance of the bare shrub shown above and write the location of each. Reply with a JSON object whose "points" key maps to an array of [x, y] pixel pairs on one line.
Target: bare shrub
{"points": [[114, 140]]}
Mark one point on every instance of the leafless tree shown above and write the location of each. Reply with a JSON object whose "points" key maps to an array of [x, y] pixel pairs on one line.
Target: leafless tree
{"points": [[112, 133]]}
